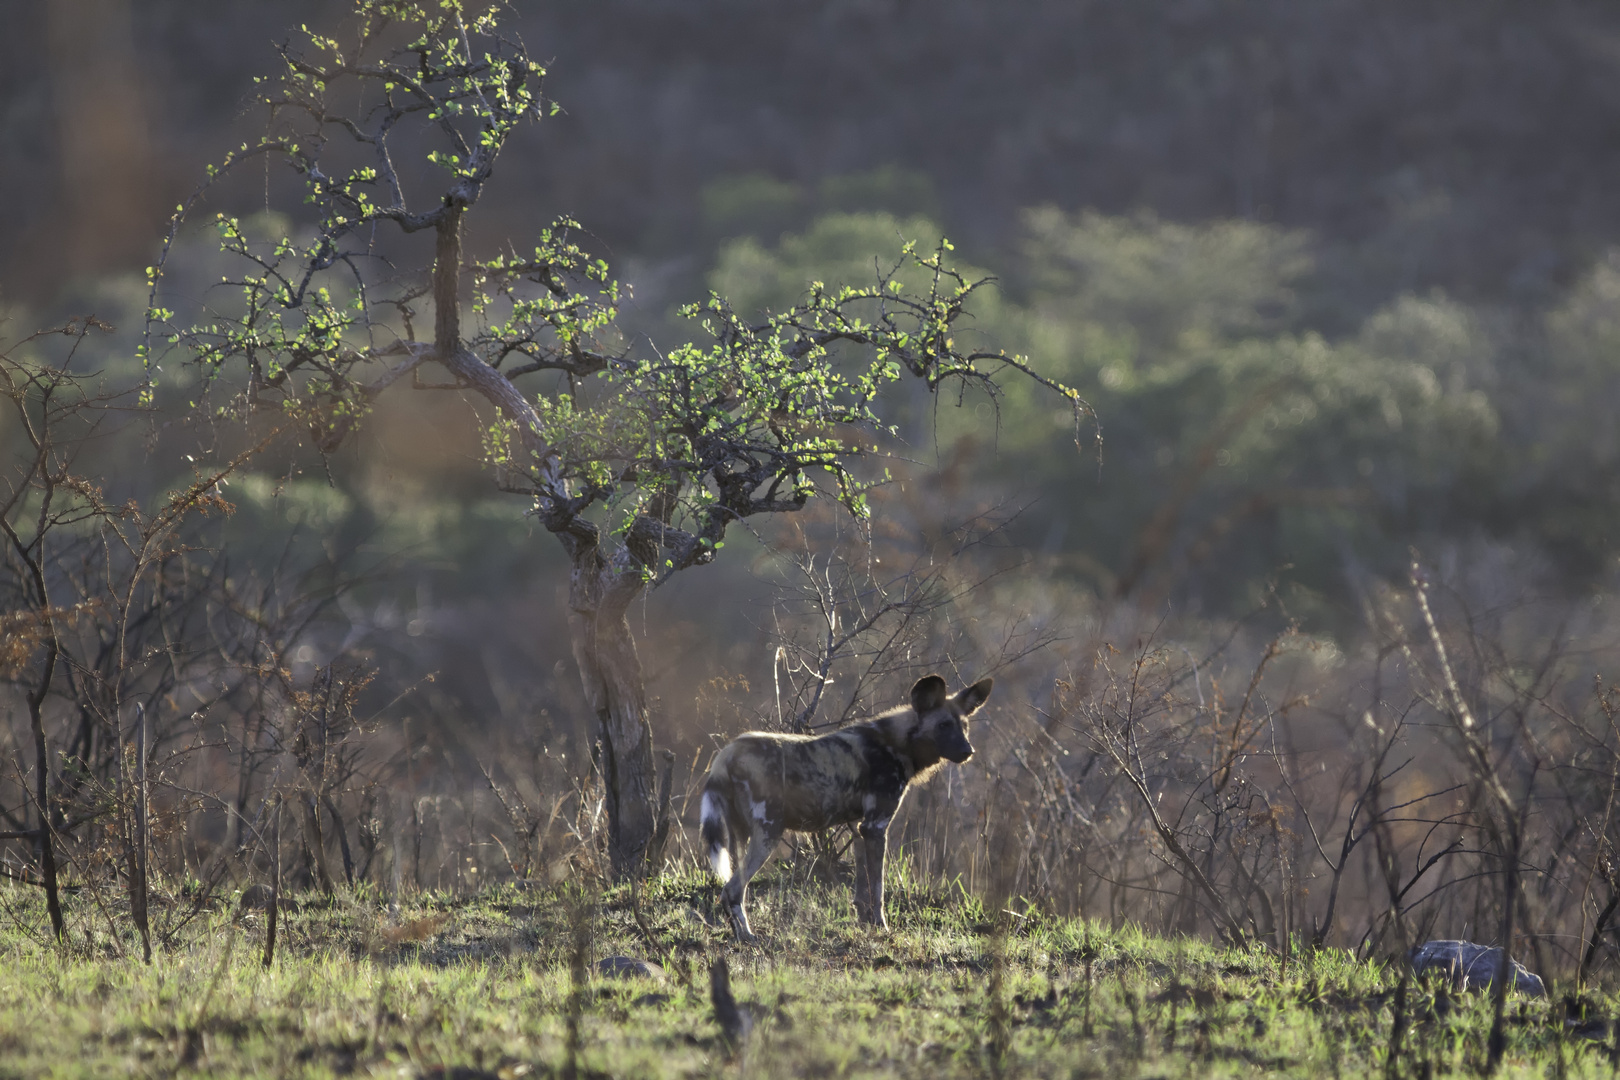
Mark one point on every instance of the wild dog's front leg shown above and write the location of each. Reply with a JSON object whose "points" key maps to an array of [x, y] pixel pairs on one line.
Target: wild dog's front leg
{"points": [[874, 842], [863, 889]]}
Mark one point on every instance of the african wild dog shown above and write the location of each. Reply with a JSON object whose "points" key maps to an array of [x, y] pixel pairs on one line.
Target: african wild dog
{"points": [[762, 784]]}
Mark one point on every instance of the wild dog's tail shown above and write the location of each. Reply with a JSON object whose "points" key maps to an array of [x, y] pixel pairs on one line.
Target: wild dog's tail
{"points": [[716, 836]]}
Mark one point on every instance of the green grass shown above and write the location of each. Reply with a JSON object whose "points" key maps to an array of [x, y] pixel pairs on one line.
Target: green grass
{"points": [[486, 989]]}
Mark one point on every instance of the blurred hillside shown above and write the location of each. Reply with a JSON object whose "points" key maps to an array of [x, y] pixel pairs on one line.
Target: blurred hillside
{"points": [[1427, 144]]}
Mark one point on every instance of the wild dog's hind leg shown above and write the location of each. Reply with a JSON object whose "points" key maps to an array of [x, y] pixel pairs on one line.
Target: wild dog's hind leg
{"points": [[763, 833], [760, 846]]}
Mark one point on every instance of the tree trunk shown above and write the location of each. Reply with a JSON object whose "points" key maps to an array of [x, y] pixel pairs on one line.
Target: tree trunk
{"points": [[42, 798], [610, 669], [140, 880], [315, 844]]}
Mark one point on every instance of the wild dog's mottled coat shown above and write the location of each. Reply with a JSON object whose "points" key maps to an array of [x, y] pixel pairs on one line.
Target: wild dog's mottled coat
{"points": [[761, 785]]}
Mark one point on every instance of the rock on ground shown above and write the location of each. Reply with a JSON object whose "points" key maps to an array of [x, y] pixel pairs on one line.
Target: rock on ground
{"points": [[625, 967], [1472, 967]]}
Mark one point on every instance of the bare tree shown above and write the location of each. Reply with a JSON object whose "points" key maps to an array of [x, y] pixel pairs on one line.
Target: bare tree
{"points": [[105, 608]]}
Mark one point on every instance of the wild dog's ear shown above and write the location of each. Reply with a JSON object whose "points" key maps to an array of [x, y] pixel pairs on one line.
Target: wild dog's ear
{"points": [[970, 699], [928, 694]]}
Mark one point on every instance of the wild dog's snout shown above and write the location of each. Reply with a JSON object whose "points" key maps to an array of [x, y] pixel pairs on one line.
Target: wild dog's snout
{"points": [[950, 732], [952, 742]]}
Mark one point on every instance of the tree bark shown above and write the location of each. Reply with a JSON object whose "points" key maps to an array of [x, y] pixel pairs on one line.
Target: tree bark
{"points": [[140, 881], [42, 763], [615, 690], [315, 844]]}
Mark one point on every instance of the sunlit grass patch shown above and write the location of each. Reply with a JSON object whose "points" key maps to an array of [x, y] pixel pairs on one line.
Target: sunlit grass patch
{"points": [[483, 983]]}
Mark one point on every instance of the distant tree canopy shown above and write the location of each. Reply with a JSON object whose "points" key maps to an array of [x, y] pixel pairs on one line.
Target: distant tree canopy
{"points": [[1245, 449], [1241, 438], [637, 459]]}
